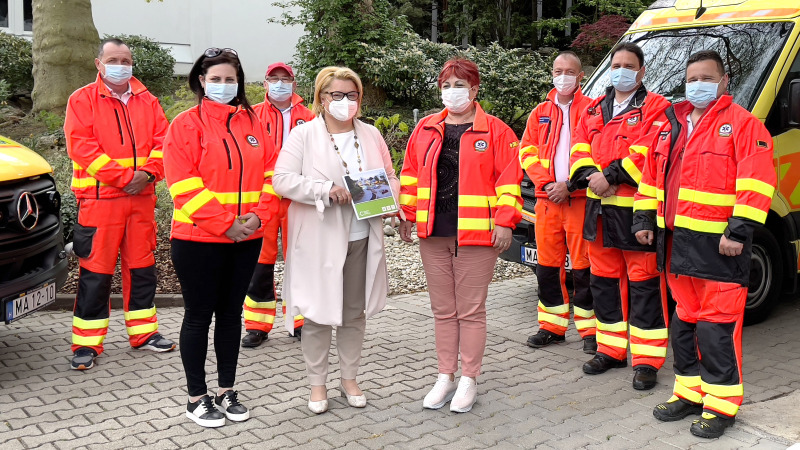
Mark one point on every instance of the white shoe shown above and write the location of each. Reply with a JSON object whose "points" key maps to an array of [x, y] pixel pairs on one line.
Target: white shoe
{"points": [[356, 401], [318, 407], [442, 392], [204, 413], [465, 396]]}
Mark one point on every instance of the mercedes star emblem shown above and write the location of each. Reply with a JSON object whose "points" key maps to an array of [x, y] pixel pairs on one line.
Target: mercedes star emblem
{"points": [[27, 211]]}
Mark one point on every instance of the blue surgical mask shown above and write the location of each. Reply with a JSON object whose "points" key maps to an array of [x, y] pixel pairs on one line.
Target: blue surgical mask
{"points": [[280, 91], [221, 92], [624, 80], [701, 93], [118, 73]]}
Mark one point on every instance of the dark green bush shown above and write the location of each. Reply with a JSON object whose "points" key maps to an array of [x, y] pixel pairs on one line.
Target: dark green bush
{"points": [[153, 65], [16, 63]]}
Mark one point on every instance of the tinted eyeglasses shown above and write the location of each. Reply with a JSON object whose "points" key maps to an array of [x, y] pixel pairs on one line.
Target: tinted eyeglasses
{"points": [[338, 95], [273, 80], [214, 52]]}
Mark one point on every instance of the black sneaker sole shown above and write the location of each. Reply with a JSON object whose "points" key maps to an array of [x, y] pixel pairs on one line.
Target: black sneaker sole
{"points": [[82, 366]]}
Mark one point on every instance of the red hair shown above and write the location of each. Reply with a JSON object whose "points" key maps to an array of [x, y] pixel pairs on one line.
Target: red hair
{"points": [[462, 68]]}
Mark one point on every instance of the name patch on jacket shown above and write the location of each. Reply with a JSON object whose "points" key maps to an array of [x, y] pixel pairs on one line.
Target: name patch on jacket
{"points": [[725, 130], [544, 120], [252, 140], [481, 145], [664, 135]]}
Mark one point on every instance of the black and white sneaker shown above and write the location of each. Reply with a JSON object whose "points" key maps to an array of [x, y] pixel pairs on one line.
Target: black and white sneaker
{"points": [[158, 343], [203, 413], [228, 403], [83, 359]]}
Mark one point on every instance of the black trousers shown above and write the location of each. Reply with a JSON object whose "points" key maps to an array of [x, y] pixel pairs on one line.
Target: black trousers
{"points": [[214, 279]]}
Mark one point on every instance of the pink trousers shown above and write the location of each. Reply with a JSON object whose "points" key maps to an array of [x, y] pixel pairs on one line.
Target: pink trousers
{"points": [[458, 282]]}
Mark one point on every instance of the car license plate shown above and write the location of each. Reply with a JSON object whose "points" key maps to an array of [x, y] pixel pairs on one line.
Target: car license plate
{"points": [[28, 302], [530, 257]]}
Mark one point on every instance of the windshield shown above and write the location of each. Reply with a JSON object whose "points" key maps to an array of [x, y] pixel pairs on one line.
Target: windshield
{"points": [[747, 49]]}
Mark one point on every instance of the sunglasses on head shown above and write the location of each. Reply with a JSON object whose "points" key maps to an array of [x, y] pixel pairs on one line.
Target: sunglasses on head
{"points": [[214, 52]]}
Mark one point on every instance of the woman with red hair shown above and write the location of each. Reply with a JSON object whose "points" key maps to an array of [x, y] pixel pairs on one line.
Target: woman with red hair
{"points": [[460, 185]]}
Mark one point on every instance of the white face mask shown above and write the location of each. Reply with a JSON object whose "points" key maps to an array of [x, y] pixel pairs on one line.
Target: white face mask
{"points": [[343, 110], [118, 73], [565, 84], [221, 92], [280, 91], [456, 100]]}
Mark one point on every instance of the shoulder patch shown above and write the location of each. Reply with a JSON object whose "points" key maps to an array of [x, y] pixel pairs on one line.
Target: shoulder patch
{"points": [[761, 144], [725, 130], [300, 122]]}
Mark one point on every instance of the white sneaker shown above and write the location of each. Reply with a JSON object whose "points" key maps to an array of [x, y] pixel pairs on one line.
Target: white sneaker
{"points": [[442, 392], [203, 413], [465, 396]]}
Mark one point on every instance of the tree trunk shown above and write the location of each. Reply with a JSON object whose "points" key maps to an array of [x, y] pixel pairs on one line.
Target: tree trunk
{"points": [[65, 44], [434, 21]]}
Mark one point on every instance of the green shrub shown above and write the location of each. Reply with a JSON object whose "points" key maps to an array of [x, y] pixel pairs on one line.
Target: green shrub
{"points": [[396, 133], [5, 91], [16, 63], [54, 122], [153, 64], [183, 98], [255, 92]]}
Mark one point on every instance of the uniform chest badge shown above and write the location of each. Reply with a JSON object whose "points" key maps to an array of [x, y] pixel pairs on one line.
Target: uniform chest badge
{"points": [[543, 120], [633, 120], [725, 130], [593, 111], [664, 135], [481, 145], [300, 121], [252, 140]]}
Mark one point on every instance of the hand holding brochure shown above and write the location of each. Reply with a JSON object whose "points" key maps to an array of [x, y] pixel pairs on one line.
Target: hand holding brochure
{"points": [[371, 192]]}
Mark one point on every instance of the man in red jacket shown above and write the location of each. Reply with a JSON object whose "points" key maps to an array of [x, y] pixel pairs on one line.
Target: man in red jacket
{"points": [[707, 185], [114, 130], [544, 154], [281, 111]]}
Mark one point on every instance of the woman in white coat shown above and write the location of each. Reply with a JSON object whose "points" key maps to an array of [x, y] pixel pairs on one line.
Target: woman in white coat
{"points": [[335, 271]]}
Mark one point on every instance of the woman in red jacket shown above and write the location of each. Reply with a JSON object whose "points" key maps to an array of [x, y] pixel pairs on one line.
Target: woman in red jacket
{"points": [[218, 160]]}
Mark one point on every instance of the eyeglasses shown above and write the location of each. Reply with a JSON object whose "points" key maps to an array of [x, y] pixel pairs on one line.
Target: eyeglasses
{"points": [[273, 80], [337, 95], [213, 52]]}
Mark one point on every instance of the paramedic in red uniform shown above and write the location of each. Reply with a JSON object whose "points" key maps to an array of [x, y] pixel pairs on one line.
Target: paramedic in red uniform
{"points": [[708, 183], [609, 147], [114, 130], [544, 154], [281, 111]]}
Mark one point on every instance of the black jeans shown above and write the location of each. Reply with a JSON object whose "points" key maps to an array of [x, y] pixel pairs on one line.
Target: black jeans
{"points": [[214, 279]]}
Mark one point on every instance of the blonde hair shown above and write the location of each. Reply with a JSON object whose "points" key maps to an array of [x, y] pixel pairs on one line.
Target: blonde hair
{"points": [[324, 79]]}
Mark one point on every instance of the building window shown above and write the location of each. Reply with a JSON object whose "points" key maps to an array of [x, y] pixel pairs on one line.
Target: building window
{"points": [[27, 14], [3, 13]]}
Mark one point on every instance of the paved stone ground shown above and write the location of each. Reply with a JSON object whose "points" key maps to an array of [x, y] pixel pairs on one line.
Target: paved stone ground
{"points": [[528, 398]]}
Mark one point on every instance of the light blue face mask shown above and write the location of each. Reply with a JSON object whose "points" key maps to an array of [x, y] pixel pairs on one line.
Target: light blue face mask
{"points": [[280, 91], [623, 80], [701, 93], [118, 73], [221, 92]]}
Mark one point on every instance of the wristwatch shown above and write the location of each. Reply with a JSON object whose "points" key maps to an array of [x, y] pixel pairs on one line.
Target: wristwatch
{"points": [[150, 176]]}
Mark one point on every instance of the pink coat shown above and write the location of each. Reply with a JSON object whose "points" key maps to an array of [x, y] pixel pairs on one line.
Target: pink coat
{"points": [[306, 169]]}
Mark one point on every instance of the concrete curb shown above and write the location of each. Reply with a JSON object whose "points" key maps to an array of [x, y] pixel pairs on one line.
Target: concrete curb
{"points": [[67, 301]]}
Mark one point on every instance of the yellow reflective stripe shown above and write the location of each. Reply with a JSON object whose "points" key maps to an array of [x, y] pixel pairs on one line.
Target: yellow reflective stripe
{"points": [[640, 149], [554, 319], [178, 216], [88, 341], [96, 324], [616, 200], [752, 184], [142, 329], [140, 314], [705, 226], [250, 303], [618, 327], [76, 166], [257, 317], [545, 163], [422, 216], [512, 189], [643, 205], [232, 198], [632, 170], [197, 202], [611, 341], [406, 180], [509, 201], [648, 350], [722, 390], [585, 324], [583, 162], [156, 154], [299, 317], [580, 148], [689, 381], [80, 183], [749, 212], [659, 333], [580, 312], [408, 200], [688, 394], [476, 201], [475, 224], [560, 309], [660, 223], [660, 195], [184, 186], [529, 162], [128, 162], [268, 189], [590, 193], [424, 193], [98, 164], [706, 198], [647, 190], [720, 405], [269, 174]]}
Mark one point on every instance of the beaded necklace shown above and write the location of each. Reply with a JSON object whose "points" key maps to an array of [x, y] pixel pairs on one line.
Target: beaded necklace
{"points": [[336, 148]]}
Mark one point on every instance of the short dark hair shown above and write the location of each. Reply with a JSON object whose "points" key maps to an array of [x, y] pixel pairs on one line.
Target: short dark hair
{"points": [[707, 55], [201, 67], [629, 47], [105, 41], [571, 54]]}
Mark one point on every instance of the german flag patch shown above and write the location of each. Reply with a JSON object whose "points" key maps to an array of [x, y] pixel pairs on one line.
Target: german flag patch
{"points": [[761, 144]]}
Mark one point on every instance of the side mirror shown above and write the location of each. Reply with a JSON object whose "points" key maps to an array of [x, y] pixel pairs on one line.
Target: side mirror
{"points": [[794, 103]]}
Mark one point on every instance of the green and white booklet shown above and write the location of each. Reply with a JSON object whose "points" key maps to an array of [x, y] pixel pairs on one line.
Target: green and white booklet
{"points": [[371, 192]]}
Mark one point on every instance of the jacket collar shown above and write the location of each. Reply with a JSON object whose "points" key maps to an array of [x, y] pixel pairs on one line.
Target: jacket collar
{"points": [[685, 107], [552, 96], [216, 110], [296, 100], [607, 104], [136, 86], [479, 124]]}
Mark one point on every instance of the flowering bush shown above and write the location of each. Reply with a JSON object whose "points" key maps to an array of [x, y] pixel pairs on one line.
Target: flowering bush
{"points": [[594, 40]]}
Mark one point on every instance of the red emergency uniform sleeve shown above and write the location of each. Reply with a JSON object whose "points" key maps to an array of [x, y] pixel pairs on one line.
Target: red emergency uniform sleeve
{"points": [[508, 174], [269, 201], [155, 161], [580, 156], [628, 170], [529, 153], [84, 149], [755, 179], [182, 149], [408, 177], [645, 204]]}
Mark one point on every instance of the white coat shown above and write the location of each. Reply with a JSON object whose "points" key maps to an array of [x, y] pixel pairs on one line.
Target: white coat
{"points": [[318, 231]]}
